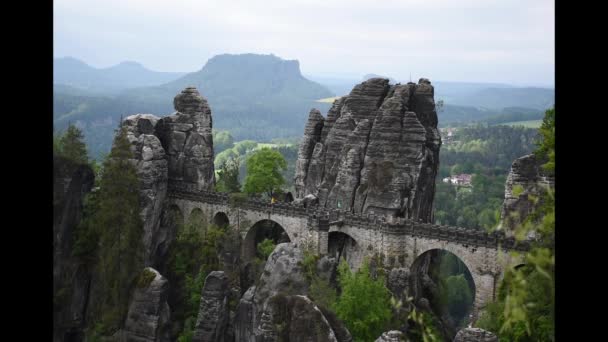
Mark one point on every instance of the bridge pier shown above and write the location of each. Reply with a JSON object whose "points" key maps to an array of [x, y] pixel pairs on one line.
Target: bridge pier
{"points": [[323, 242], [485, 287]]}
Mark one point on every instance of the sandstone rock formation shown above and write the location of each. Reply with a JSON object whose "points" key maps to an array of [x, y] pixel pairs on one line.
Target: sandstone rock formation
{"points": [[525, 180], [391, 336], [398, 282], [149, 314], [176, 147], [187, 140], [475, 335], [71, 279], [377, 150], [213, 314], [152, 170], [277, 309], [294, 318]]}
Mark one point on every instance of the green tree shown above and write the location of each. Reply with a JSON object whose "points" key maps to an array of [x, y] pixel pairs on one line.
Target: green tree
{"points": [[228, 176], [264, 175], [265, 248], [222, 140], [525, 308], [72, 146], [119, 226], [364, 304], [546, 146]]}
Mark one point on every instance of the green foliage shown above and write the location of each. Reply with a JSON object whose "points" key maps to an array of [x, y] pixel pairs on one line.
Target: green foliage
{"points": [[192, 256], [424, 328], [487, 153], [86, 234], [264, 172], [71, 145], [546, 146], [118, 225], [228, 176], [458, 293], [518, 190], [322, 293], [364, 304], [525, 308], [265, 248], [222, 140], [145, 278]]}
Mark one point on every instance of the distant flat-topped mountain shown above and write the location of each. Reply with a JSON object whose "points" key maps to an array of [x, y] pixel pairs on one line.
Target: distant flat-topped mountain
{"points": [[256, 97], [246, 77], [75, 73]]}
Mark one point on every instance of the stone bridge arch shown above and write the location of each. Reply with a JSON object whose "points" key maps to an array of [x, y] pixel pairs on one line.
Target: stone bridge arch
{"points": [[444, 262], [482, 263], [260, 230]]}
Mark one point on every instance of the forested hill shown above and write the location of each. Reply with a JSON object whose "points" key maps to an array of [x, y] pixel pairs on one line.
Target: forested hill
{"points": [[257, 97], [77, 74]]}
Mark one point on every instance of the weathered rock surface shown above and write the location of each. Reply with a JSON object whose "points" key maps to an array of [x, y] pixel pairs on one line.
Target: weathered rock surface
{"points": [[391, 336], [475, 335], [526, 178], [282, 273], [378, 150], [149, 315], [213, 315], [152, 171], [187, 140], [294, 318], [312, 135], [244, 320], [398, 282], [71, 279], [277, 309]]}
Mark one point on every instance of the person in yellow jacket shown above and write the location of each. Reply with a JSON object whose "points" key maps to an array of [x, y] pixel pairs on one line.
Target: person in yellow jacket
{"points": [[273, 200]]}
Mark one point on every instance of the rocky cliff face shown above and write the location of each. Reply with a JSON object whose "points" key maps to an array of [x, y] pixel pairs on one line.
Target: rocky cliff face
{"points": [[213, 315], [71, 278], [178, 147], [152, 171], [187, 140], [149, 315], [377, 150], [475, 335], [526, 180], [277, 309]]}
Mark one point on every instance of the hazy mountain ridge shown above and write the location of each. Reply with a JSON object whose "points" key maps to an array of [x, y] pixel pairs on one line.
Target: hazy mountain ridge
{"points": [[254, 96], [75, 73]]}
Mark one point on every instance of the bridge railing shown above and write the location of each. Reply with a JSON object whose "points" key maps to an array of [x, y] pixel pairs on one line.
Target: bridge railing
{"points": [[370, 221], [191, 192]]}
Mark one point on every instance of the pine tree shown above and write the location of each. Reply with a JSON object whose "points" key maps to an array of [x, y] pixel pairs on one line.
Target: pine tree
{"points": [[72, 145], [120, 229]]}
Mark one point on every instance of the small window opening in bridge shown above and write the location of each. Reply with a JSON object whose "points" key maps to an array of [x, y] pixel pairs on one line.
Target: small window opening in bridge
{"points": [[441, 279], [221, 220]]}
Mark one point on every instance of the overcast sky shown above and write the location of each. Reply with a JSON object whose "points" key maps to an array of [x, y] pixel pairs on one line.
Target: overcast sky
{"points": [[507, 41]]}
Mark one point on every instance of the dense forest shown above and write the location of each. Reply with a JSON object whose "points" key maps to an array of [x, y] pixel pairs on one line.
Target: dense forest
{"points": [[485, 152]]}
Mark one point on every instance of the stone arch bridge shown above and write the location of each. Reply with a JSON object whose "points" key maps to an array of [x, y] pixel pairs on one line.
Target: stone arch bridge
{"points": [[397, 242]]}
